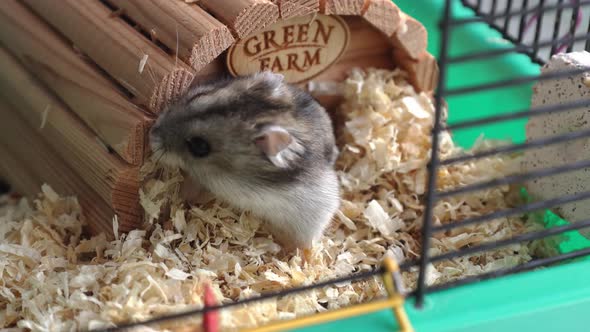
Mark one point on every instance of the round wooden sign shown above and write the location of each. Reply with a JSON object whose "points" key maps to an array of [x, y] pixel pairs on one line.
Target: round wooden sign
{"points": [[299, 48]]}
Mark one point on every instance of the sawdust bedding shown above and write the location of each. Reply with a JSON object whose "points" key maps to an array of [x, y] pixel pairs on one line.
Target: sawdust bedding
{"points": [[55, 279]]}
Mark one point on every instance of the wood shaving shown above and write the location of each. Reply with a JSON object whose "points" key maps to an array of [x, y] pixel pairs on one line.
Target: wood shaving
{"points": [[53, 279], [142, 62], [44, 115]]}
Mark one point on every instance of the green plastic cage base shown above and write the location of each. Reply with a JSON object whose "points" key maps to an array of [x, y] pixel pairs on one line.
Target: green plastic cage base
{"points": [[551, 299], [555, 299]]}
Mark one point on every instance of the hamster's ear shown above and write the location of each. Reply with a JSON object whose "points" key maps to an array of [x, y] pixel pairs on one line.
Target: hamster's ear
{"points": [[271, 81], [271, 77], [273, 139], [278, 145]]}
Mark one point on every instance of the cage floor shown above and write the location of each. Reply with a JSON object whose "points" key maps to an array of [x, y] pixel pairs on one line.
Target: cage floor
{"points": [[482, 307]]}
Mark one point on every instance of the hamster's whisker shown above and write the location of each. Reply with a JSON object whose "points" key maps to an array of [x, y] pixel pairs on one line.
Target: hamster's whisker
{"points": [[161, 153], [156, 151], [161, 156]]}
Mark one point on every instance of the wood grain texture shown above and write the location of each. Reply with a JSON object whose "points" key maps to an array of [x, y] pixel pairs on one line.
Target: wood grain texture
{"points": [[342, 7], [31, 162], [292, 8], [114, 181], [171, 86], [382, 14], [199, 37], [243, 16], [119, 123], [411, 37], [367, 48], [111, 43], [423, 72]]}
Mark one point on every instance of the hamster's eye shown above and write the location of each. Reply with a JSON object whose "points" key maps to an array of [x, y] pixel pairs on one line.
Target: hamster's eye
{"points": [[198, 147]]}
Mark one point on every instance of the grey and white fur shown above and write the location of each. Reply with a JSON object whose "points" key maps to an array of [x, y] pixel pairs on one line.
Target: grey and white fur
{"points": [[259, 144]]}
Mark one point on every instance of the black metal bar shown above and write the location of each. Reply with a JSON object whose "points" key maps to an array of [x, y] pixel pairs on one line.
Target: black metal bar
{"points": [[573, 24], [507, 271], [200, 311], [538, 28], [556, 27], [521, 177], [517, 239], [493, 8], [521, 13], [506, 17], [529, 207], [522, 23], [531, 236], [433, 165], [545, 141], [529, 112], [587, 46], [507, 36], [518, 48], [478, 6], [513, 81]]}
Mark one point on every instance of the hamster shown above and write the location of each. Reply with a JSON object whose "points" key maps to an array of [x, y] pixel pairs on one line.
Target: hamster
{"points": [[259, 144]]}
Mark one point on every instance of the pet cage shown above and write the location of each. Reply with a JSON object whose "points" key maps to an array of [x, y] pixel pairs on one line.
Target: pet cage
{"points": [[474, 39]]}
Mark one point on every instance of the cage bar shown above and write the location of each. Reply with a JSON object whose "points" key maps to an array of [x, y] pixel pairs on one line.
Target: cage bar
{"points": [[517, 239], [556, 27], [538, 26], [518, 48], [574, 24], [529, 207], [434, 160], [522, 23], [521, 177], [506, 15], [522, 146], [508, 271], [528, 112], [521, 12], [512, 81]]}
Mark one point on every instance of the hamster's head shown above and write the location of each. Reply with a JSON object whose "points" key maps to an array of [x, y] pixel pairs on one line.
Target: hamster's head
{"points": [[241, 125]]}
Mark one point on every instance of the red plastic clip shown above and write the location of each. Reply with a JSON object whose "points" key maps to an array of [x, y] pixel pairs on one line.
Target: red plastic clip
{"points": [[210, 318]]}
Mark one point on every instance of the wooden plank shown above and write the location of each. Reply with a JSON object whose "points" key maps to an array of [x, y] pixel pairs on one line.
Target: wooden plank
{"points": [[423, 72], [113, 180], [117, 121], [31, 162], [367, 48], [199, 37], [243, 16], [292, 8], [411, 37], [12, 172], [20, 179], [342, 7], [112, 44], [382, 14]]}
